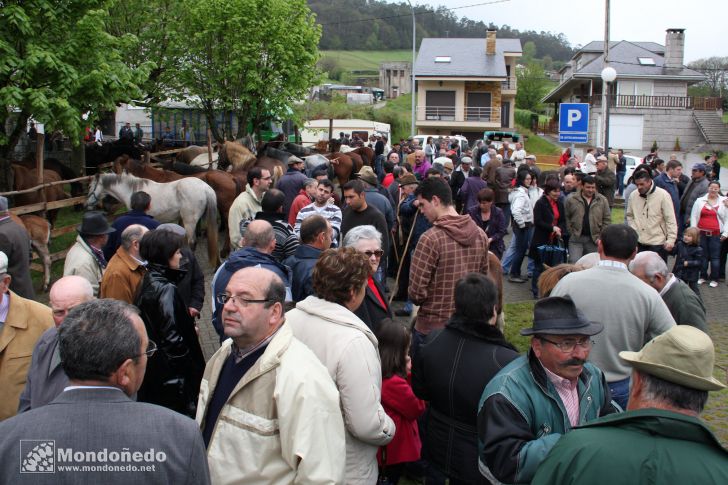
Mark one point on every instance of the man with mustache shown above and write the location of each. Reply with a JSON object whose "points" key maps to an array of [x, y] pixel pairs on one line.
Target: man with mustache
{"points": [[542, 395]]}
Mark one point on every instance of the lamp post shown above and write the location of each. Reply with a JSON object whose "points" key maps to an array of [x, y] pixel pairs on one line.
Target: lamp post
{"points": [[608, 77], [414, 33]]}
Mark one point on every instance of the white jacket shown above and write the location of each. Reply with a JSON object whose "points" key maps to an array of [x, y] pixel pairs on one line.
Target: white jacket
{"points": [[349, 350], [521, 207], [81, 261], [244, 207], [722, 213], [280, 424]]}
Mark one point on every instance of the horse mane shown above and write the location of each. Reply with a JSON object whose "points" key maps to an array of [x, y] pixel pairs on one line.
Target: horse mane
{"points": [[240, 158], [135, 183]]}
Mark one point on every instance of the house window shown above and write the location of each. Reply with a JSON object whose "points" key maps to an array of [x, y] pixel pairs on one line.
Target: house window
{"points": [[479, 107], [646, 61], [634, 93], [442, 59], [440, 105]]}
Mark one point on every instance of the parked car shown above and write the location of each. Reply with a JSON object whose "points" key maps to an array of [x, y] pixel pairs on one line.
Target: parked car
{"points": [[632, 162]]}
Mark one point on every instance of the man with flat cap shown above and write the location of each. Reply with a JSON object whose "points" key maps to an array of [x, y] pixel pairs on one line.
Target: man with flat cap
{"points": [[660, 439], [86, 257], [542, 395]]}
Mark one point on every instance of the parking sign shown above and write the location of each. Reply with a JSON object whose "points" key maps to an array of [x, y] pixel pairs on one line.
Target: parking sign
{"points": [[573, 122]]}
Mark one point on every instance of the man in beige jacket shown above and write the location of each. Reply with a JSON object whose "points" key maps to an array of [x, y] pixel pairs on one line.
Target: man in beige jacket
{"points": [[24, 321], [650, 212], [268, 410]]}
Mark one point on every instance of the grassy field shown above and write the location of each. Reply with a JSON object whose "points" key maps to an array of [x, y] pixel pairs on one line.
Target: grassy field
{"points": [[366, 60], [538, 145]]}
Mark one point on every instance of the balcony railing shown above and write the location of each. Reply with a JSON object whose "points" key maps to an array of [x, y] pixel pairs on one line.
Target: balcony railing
{"points": [[509, 84], [452, 113], [640, 101]]}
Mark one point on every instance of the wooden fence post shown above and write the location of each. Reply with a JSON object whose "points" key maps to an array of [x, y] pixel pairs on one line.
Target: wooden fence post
{"points": [[39, 167], [209, 148]]}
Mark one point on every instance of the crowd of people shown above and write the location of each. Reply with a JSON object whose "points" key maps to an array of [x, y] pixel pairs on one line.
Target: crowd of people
{"points": [[316, 381]]}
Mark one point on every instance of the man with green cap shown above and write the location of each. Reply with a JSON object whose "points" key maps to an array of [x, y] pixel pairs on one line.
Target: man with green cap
{"points": [[660, 439]]}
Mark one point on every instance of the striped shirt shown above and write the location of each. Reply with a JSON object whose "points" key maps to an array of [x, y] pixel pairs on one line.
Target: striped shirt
{"points": [[329, 212], [568, 393]]}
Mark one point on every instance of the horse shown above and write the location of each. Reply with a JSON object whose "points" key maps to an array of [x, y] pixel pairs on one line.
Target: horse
{"points": [[298, 150], [227, 186], [366, 154], [189, 153], [65, 172], [108, 152], [39, 232], [203, 160], [233, 154], [189, 199], [314, 161], [25, 179]]}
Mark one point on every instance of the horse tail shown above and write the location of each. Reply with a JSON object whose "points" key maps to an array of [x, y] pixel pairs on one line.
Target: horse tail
{"points": [[213, 252]]}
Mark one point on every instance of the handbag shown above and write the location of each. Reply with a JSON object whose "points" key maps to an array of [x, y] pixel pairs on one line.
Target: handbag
{"points": [[552, 254], [383, 478]]}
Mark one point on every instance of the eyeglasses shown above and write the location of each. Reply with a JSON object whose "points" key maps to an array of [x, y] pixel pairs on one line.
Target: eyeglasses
{"points": [[237, 300], [266, 178], [378, 253], [151, 349], [569, 345]]}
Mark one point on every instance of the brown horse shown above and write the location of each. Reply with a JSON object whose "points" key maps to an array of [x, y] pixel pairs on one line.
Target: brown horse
{"points": [[25, 179], [144, 170], [39, 232], [366, 154], [234, 154]]}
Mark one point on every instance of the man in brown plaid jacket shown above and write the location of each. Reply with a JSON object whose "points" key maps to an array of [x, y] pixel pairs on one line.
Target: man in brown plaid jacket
{"points": [[452, 248]]}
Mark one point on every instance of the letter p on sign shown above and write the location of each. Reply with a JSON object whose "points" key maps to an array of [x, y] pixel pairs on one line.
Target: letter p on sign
{"points": [[572, 116]]}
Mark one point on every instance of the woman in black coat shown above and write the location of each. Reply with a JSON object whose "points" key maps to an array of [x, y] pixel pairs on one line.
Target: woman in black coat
{"points": [[490, 219], [549, 222], [375, 307], [174, 373], [450, 371]]}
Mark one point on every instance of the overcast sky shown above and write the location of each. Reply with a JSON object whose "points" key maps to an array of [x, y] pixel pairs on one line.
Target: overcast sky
{"points": [[636, 20]]}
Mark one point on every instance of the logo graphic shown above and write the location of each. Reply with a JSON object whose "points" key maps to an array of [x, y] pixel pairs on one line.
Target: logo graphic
{"points": [[37, 456]]}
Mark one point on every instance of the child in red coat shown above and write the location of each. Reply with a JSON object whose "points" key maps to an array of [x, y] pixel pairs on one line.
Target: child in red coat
{"points": [[398, 400]]}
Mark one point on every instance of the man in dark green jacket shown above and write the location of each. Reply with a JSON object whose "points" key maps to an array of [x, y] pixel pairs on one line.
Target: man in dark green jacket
{"points": [[684, 304], [537, 398], [660, 439]]}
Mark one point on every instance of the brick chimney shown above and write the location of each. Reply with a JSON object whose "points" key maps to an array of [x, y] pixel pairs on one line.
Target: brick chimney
{"points": [[490, 42], [674, 48]]}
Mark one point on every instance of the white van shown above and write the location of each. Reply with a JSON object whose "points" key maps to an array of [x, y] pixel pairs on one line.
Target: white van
{"points": [[460, 139]]}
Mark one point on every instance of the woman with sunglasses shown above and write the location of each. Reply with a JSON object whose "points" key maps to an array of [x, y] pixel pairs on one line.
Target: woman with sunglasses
{"points": [[174, 372], [374, 308]]}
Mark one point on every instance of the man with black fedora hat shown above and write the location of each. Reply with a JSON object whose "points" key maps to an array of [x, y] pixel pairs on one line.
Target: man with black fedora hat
{"points": [[542, 395], [660, 439], [86, 257]]}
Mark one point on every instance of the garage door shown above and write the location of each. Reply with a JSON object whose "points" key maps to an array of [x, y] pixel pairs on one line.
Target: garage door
{"points": [[625, 131]]}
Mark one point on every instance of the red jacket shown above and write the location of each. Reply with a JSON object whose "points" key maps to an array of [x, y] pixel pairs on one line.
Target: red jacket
{"points": [[301, 201], [404, 408]]}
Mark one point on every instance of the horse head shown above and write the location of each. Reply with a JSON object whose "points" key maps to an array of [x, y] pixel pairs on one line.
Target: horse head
{"points": [[95, 190]]}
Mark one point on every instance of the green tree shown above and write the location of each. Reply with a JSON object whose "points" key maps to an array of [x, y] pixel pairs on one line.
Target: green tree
{"points": [[529, 52], [253, 58], [57, 63], [532, 86]]}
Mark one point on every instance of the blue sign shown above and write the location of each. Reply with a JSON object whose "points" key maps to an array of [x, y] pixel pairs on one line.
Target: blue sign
{"points": [[573, 137], [573, 122]]}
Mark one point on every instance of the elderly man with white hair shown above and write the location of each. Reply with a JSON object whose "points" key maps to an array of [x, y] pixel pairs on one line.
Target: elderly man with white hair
{"points": [[367, 240], [46, 378], [684, 304]]}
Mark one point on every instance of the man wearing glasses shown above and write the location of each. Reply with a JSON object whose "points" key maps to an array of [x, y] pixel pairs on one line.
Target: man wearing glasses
{"points": [[94, 432], [248, 203], [542, 395], [268, 410]]}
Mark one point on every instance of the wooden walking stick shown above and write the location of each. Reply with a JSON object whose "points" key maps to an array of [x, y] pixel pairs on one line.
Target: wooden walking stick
{"points": [[404, 255]]}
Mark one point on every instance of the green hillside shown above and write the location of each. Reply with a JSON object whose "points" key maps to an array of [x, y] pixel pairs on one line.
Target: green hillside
{"points": [[366, 60]]}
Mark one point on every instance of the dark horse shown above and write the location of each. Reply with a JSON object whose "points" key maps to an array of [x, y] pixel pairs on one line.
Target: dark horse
{"points": [[55, 165], [108, 152]]}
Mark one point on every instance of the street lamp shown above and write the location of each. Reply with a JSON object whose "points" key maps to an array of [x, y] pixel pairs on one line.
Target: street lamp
{"points": [[608, 77], [412, 128]]}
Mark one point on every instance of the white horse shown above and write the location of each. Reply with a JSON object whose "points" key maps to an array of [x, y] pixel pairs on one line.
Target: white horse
{"points": [[188, 199], [203, 161], [315, 161]]}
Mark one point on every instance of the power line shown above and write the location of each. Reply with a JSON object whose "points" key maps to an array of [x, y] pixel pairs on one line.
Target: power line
{"points": [[428, 12]]}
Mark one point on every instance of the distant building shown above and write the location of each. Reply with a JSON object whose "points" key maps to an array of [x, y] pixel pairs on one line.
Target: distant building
{"points": [[466, 86], [395, 78], [649, 100]]}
